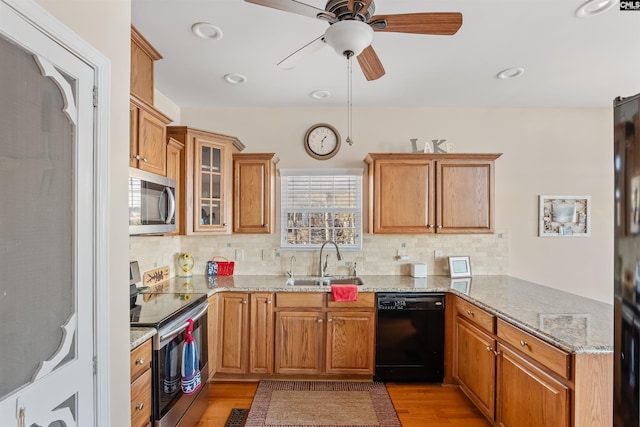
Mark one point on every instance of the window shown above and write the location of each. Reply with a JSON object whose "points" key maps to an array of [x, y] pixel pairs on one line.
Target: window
{"points": [[321, 205]]}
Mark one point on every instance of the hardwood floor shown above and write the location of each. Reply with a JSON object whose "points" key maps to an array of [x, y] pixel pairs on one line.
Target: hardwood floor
{"points": [[417, 405]]}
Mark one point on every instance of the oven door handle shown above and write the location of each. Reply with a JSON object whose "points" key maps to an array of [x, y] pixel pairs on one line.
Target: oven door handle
{"points": [[182, 327]]}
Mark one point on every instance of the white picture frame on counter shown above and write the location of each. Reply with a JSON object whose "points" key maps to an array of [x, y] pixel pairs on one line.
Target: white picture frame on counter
{"points": [[564, 216], [459, 266], [462, 285]]}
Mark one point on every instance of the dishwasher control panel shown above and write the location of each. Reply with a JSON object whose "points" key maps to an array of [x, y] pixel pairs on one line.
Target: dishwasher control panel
{"points": [[410, 301]]}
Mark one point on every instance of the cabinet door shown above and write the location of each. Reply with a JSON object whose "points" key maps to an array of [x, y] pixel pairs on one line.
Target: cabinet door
{"points": [[527, 396], [350, 342], [211, 161], [253, 193], [298, 342], [261, 334], [174, 148], [475, 366], [403, 197], [232, 333], [465, 196], [133, 135], [152, 136]]}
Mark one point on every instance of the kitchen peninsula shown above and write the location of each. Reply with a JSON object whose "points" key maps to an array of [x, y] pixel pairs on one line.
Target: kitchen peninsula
{"points": [[556, 345]]}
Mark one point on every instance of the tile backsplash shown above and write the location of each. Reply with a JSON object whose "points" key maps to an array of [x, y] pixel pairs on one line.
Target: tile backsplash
{"points": [[256, 254]]}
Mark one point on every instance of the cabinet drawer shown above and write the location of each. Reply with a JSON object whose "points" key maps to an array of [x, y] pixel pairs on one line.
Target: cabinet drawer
{"points": [[300, 299], [549, 356], [365, 300], [141, 400], [140, 359], [481, 318]]}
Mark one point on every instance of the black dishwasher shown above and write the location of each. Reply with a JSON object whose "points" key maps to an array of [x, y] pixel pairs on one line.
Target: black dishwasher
{"points": [[410, 337]]}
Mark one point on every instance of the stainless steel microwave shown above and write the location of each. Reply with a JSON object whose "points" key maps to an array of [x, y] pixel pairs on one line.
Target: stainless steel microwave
{"points": [[152, 203]]}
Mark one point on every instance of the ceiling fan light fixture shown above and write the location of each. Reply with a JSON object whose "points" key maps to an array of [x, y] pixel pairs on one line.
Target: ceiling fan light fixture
{"points": [[349, 37]]}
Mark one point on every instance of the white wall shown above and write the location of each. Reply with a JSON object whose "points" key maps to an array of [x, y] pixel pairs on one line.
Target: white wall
{"points": [[105, 24], [545, 152]]}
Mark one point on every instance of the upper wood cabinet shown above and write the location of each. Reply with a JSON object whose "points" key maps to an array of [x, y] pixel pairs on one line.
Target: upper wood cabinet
{"points": [[147, 125], [254, 177], [148, 137], [174, 166], [431, 193], [206, 179], [143, 56]]}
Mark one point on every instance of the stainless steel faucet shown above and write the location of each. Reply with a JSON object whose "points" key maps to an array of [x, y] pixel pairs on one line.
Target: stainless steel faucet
{"points": [[320, 267], [290, 272]]}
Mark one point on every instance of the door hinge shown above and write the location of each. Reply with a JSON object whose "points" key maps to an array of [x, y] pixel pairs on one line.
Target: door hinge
{"points": [[95, 365], [95, 96]]}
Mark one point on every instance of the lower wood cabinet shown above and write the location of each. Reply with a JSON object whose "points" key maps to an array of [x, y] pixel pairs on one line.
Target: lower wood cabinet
{"points": [[528, 396], [140, 367], [299, 342], [244, 333], [475, 369], [258, 334], [314, 336]]}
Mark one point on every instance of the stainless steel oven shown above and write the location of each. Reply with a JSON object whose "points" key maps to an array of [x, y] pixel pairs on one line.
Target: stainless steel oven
{"points": [[169, 314]]}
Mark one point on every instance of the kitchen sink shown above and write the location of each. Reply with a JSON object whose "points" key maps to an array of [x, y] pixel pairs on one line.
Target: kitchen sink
{"points": [[317, 281], [304, 282]]}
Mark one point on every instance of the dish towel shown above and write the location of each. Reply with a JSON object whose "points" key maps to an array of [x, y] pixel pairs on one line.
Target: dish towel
{"points": [[171, 382], [344, 293], [190, 363]]}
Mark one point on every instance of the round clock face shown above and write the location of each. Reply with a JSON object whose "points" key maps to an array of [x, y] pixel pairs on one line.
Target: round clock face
{"points": [[322, 141]]}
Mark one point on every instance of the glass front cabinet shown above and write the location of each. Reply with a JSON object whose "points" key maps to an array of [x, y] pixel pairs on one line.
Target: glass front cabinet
{"points": [[207, 174]]}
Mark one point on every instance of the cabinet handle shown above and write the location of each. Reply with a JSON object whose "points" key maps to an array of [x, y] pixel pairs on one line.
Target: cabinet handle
{"points": [[489, 348], [429, 225], [470, 313], [140, 361], [137, 157], [524, 343], [224, 224], [265, 225], [439, 227], [244, 301], [144, 159], [268, 301], [139, 406], [319, 320], [329, 320]]}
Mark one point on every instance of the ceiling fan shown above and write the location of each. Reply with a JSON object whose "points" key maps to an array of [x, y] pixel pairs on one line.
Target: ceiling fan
{"points": [[352, 24]]}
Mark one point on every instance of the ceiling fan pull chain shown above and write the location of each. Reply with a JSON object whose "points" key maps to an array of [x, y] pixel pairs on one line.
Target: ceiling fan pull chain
{"points": [[349, 101]]}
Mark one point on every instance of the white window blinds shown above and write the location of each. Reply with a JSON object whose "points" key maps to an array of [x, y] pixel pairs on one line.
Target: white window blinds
{"points": [[321, 205]]}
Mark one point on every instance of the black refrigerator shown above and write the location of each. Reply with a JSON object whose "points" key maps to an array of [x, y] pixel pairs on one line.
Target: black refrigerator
{"points": [[626, 408]]}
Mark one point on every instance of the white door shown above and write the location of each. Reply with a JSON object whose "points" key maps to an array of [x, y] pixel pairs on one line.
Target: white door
{"points": [[47, 215]]}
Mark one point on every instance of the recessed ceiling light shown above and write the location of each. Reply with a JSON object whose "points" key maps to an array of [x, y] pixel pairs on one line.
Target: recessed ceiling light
{"points": [[235, 78], [594, 7], [206, 31], [510, 73], [320, 94]]}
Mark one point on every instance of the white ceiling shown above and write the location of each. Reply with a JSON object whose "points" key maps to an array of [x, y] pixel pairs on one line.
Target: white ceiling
{"points": [[568, 61]]}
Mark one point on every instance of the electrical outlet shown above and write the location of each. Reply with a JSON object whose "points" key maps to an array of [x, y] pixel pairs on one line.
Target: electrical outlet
{"points": [[267, 255], [239, 255], [437, 253]]}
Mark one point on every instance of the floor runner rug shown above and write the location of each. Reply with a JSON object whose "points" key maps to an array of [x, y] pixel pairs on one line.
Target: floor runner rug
{"points": [[321, 404]]}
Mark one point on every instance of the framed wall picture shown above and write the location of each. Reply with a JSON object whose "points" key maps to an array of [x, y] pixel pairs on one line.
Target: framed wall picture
{"points": [[459, 266], [461, 285], [565, 216]]}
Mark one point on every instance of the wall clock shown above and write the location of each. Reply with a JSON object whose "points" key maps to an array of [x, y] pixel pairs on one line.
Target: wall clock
{"points": [[322, 141]]}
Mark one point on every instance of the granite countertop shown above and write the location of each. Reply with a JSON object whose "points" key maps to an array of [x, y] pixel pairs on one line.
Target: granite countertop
{"points": [[140, 335], [570, 322]]}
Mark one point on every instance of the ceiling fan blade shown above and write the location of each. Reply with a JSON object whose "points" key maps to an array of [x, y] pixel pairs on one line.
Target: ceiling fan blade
{"points": [[364, 3], [370, 64], [292, 60], [294, 7], [437, 23]]}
